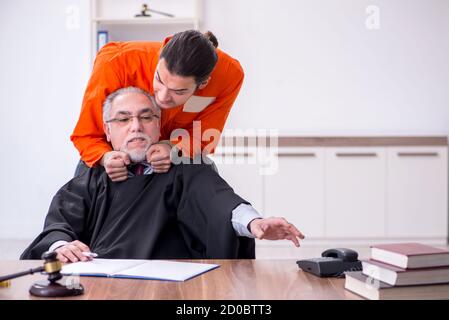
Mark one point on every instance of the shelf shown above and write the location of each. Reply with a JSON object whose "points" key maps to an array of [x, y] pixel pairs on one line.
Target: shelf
{"points": [[145, 21], [117, 18]]}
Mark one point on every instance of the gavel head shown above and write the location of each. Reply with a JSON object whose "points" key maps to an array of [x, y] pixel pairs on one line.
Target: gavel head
{"points": [[50, 287], [52, 266]]}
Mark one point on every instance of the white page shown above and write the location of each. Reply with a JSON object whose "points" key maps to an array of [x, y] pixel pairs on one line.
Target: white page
{"points": [[144, 269], [167, 270], [100, 266]]}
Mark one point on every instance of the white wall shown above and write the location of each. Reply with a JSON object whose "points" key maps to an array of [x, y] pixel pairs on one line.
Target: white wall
{"points": [[313, 68], [44, 63]]}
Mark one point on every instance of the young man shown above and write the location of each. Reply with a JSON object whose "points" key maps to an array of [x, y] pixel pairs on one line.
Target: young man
{"points": [[190, 79]]}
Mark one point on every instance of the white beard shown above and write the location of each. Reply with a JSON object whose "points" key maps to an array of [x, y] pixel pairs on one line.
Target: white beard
{"points": [[138, 154]]}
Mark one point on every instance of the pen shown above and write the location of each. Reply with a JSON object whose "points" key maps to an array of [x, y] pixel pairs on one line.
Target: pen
{"points": [[90, 254]]}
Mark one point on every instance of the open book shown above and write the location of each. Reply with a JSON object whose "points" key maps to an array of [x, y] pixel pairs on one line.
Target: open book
{"points": [[138, 269]]}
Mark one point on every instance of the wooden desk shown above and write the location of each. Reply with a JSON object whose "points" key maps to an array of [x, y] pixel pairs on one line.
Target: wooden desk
{"points": [[233, 280]]}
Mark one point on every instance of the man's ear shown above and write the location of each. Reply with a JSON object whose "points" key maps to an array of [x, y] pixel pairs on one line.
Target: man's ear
{"points": [[107, 131], [204, 84]]}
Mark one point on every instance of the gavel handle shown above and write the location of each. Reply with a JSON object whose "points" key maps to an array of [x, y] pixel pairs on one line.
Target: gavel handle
{"points": [[23, 273]]}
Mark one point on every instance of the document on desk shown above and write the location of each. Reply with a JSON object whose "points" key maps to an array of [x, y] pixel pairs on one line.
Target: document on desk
{"points": [[138, 269]]}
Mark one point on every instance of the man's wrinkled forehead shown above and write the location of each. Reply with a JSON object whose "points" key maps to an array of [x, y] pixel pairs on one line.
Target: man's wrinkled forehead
{"points": [[130, 103]]}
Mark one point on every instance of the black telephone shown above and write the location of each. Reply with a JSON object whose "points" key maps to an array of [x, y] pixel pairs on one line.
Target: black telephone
{"points": [[333, 263]]}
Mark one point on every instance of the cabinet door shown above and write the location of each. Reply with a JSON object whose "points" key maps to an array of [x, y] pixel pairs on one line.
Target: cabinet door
{"points": [[296, 190], [417, 192], [355, 192], [242, 172]]}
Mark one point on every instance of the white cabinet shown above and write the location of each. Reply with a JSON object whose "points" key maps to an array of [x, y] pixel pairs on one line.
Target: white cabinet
{"points": [[355, 192], [417, 192], [338, 194], [296, 190]]}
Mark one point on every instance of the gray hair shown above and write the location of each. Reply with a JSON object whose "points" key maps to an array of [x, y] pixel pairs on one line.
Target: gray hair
{"points": [[107, 104]]}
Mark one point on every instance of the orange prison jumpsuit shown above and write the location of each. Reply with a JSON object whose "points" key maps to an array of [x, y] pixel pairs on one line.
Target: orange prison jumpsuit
{"points": [[123, 64]]}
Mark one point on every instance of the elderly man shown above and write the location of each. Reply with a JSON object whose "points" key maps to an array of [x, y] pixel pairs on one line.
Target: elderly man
{"points": [[188, 212]]}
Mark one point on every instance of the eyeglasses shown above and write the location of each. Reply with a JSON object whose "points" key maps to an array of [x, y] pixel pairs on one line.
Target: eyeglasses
{"points": [[125, 120]]}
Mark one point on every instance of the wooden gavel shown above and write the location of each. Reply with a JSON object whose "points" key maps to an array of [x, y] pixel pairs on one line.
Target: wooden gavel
{"points": [[50, 287]]}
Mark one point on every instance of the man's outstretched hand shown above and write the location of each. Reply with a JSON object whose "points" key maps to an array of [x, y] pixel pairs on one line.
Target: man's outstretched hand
{"points": [[275, 228]]}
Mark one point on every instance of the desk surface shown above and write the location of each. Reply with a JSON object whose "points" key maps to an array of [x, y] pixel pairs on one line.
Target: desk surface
{"points": [[234, 279]]}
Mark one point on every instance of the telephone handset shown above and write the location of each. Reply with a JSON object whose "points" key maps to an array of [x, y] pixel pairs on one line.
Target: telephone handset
{"points": [[333, 263]]}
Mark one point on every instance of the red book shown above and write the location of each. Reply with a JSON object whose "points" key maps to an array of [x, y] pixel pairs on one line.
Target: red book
{"points": [[396, 276], [410, 255]]}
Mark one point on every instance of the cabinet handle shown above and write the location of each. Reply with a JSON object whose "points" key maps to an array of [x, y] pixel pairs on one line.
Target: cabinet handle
{"points": [[355, 154], [296, 154], [418, 154], [234, 154]]}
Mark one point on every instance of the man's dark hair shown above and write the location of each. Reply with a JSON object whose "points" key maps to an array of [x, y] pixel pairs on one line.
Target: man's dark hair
{"points": [[191, 53]]}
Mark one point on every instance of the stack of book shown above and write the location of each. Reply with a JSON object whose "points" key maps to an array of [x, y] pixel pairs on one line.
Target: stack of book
{"points": [[402, 271]]}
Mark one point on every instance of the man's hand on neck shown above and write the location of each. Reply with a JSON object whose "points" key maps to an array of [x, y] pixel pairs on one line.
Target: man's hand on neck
{"points": [[115, 163], [158, 156]]}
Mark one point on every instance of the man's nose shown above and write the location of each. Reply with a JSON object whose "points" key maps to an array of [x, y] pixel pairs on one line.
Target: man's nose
{"points": [[136, 124], [163, 94]]}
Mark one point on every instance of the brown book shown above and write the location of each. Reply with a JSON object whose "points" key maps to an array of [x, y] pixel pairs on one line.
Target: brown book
{"points": [[399, 276], [372, 289], [410, 255]]}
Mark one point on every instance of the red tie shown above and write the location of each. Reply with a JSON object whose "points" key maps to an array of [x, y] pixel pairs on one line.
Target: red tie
{"points": [[138, 169]]}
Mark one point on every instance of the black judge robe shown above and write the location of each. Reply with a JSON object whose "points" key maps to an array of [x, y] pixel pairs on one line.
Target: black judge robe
{"points": [[184, 213]]}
